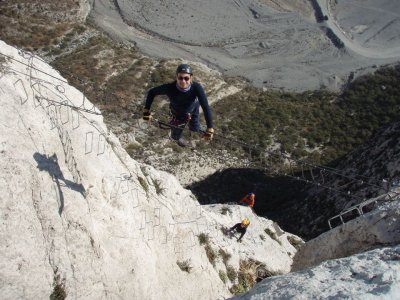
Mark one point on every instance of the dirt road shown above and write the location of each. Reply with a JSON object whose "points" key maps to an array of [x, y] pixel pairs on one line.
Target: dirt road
{"points": [[273, 49]]}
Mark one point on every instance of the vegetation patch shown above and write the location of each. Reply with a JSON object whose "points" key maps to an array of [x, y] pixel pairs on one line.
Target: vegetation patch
{"points": [[319, 126], [143, 183], [223, 276], [211, 254], [240, 287], [250, 272], [204, 239], [59, 292], [231, 273], [225, 210], [272, 234], [185, 265], [38, 25], [158, 187], [133, 149]]}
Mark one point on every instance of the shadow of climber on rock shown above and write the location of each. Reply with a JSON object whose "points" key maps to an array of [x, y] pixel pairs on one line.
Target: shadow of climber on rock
{"points": [[50, 165]]}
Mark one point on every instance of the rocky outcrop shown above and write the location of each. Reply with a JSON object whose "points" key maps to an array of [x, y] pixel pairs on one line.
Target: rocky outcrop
{"points": [[375, 229], [337, 264], [370, 275]]}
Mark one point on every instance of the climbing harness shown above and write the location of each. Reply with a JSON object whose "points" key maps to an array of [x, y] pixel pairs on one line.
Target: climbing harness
{"points": [[179, 121]]}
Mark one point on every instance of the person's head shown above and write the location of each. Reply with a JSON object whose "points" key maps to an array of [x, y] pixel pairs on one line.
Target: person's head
{"points": [[245, 222], [184, 75]]}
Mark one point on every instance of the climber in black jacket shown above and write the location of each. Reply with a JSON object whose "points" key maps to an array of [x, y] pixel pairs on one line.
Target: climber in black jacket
{"points": [[185, 96], [241, 228]]}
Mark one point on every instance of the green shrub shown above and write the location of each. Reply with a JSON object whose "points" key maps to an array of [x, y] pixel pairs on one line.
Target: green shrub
{"points": [[250, 272], [223, 276], [237, 289], [157, 185], [203, 239], [143, 183], [211, 254], [242, 286], [231, 273], [132, 149], [332, 122]]}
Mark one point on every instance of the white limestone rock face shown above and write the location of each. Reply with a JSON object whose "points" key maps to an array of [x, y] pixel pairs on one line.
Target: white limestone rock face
{"points": [[371, 275], [77, 211], [80, 217], [374, 229]]}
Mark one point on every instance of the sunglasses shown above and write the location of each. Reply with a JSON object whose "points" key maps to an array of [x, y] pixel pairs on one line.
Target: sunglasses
{"points": [[186, 78]]}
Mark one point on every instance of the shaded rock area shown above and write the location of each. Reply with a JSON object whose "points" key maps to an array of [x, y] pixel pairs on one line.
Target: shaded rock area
{"points": [[276, 197]]}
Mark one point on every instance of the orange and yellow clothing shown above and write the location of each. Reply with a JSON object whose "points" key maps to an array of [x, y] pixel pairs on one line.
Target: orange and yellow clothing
{"points": [[248, 199]]}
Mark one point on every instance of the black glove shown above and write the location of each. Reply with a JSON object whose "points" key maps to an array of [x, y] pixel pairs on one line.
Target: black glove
{"points": [[146, 114], [208, 135]]}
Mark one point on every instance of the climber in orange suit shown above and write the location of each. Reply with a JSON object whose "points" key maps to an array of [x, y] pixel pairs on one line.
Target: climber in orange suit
{"points": [[248, 199]]}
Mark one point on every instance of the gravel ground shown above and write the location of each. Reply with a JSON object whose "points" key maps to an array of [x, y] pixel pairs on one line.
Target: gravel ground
{"points": [[275, 44]]}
